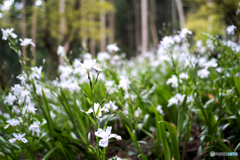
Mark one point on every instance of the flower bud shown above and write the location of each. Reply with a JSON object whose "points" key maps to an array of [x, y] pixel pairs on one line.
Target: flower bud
{"points": [[89, 136], [77, 102]]}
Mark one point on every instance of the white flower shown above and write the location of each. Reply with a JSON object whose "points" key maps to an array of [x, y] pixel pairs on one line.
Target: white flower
{"points": [[184, 32], [190, 99], [109, 83], [87, 56], [6, 115], [172, 101], [112, 47], [203, 73], [10, 99], [177, 38], [16, 109], [35, 128], [124, 83], [159, 109], [8, 32], [210, 44], [230, 29], [117, 158], [89, 136], [22, 78], [138, 112], [106, 135], [23, 96], [173, 81], [178, 98], [88, 64], [212, 63], [12, 122], [103, 56], [97, 108], [111, 105], [18, 137], [17, 90], [29, 108], [26, 42], [61, 51], [167, 41], [199, 43], [219, 69], [183, 76], [52, 115], [36, 72]]}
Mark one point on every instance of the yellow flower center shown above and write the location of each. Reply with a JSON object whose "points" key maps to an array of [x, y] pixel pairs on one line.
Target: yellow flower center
{"points": [[13, 139], [103, 141], [36, 127], [97, 66]]}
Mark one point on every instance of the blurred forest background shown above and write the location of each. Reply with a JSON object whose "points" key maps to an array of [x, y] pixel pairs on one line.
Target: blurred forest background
{"points": [[87, 26]]}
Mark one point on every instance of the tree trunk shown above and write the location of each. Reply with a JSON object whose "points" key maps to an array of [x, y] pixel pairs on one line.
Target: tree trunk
{"points": [[3, 78], [144, 26], [153, 23], [92, 47], [47, 39], [130, 28], [24, 29], [137, 24], [34, 30], [180, 13], [174, 16], [92, 40], [111, 25], [102, 30], [62, 28]]}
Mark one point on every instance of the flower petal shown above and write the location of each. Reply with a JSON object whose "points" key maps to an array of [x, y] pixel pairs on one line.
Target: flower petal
{"points": [[6, 126], [103, 142], [12, 140], [24, 140], [97, 68], [108, 130], [100, 133]]}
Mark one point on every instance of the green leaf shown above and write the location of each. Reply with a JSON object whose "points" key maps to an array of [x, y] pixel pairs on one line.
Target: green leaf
{"points": [[174, 141], [49, 153], [224, 148], [161, 135], [105, 125], [134, 140]]}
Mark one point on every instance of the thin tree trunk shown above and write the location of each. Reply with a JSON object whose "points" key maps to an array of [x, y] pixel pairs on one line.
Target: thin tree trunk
{"points": [[153, 23], [3, 77], [34, 30], [62, 28], [174, 16], [92, 47], [24, 29], [47, 39], [130, 33], [144, 26], [111, 24], [180, 13], [137, 24], [102, 30], [92, 40]]}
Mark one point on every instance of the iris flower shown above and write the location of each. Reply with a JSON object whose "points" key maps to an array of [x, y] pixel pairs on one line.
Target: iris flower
{"points": [[18, 137], [106, 135]]}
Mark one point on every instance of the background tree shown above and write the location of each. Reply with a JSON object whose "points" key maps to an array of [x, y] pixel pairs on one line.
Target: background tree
{"points": [[144, 21]]}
